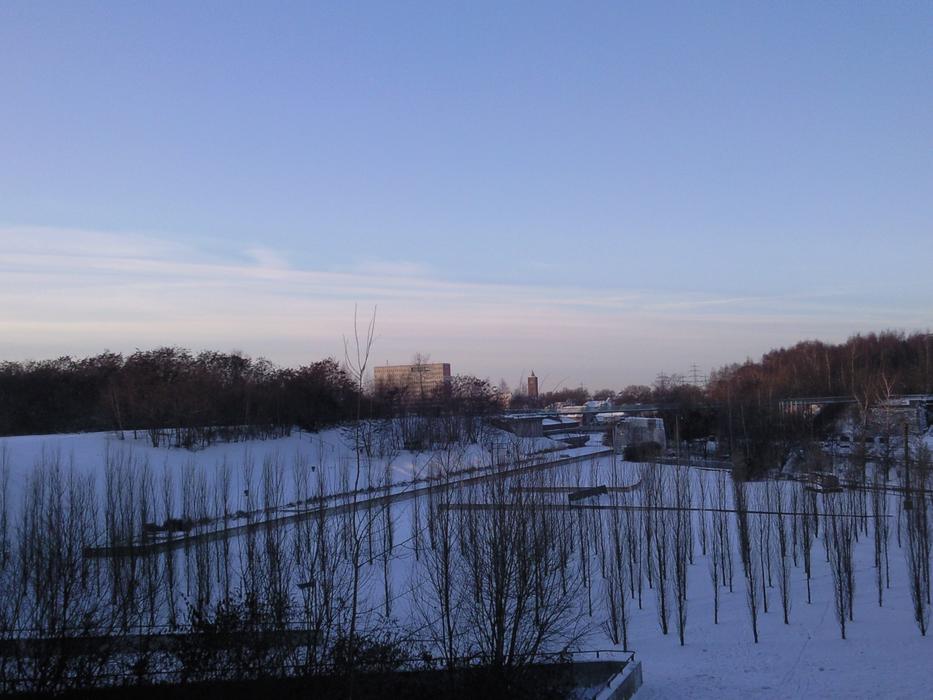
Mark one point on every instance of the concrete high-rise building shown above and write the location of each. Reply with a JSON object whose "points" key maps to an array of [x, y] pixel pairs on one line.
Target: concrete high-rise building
{"points": [[418, 381], [532, 386]]}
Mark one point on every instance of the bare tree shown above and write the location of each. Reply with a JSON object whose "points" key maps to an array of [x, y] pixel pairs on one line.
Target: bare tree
{"points": [[784, 560], [276, 569], [879, 511], [763, 526], [224, 508], [357, 356], [654, 486], [682, 538], [647, 479], [439, 599], [122, 528], [167, 493], [58, 589], [635, 550], [10, 602], [323, 568], [808, 520], [917, 551], [701, 484], [837, 539], [723, 532], [388, 537], [749, 555], [615, 577], [514, 605], [715, 566], [320, 556]]}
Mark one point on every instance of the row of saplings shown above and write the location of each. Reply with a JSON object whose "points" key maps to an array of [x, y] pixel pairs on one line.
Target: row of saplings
{"points": [[502, 575]]}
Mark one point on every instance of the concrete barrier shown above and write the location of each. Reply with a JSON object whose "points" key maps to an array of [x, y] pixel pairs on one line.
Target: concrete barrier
{"points": [[622, 685]]}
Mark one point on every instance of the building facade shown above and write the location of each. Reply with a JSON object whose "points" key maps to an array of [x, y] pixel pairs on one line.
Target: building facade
{"points": [[532, 386], [417, 381]]}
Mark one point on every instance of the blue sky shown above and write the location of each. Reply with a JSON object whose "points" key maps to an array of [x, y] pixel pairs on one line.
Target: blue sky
{"points": [[598, 191]]}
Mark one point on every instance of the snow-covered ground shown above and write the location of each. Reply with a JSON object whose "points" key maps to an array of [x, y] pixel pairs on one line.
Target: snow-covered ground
{"points": [[329, 453], [883, 655]]}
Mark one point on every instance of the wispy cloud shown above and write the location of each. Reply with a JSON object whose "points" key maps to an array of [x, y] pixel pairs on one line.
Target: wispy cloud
{"points": [[267, 259], [67, 291], [390, 268], [53, 242]]}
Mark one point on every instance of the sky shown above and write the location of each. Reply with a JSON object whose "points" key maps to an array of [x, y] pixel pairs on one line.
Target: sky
{"points": [[598, 192]]}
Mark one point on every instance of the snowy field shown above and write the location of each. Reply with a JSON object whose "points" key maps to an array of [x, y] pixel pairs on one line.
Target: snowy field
{"points": [[329, 452], [883, 655]]}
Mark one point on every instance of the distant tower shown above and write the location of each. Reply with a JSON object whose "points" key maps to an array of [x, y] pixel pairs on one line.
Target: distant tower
{"points": [[532, 386]]}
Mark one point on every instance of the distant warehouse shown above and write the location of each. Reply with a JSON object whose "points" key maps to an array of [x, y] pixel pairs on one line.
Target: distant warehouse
{"points": [[417, 381]]}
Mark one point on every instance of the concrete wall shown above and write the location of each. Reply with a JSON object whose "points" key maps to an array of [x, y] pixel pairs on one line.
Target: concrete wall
{"points": [[605, 679], [623, 685], [521, 426], [634, 431]]}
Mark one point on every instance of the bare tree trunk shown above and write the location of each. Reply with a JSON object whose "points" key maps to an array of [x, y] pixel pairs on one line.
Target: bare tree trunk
{"points": [[749, 557], [682, 539], [837, 538], [783, 553], [715, 567], [917, 551], [357, 363]]}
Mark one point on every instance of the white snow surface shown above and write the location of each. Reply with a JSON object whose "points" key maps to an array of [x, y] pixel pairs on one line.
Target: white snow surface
{"points": [[332, 448], [884, 655]]}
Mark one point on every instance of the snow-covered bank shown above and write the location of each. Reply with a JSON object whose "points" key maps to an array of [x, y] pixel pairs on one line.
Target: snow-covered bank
{"points": [[327, 453]]}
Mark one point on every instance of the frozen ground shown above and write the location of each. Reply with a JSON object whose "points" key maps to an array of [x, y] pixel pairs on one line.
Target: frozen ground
{"points": [[884, 655], [329, 452]]}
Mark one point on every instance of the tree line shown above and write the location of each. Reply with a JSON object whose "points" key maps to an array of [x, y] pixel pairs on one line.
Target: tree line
{"points": [[155, 389], [869, 369], [187, 399]]}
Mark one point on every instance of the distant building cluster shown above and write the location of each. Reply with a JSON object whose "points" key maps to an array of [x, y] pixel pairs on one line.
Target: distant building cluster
{"points": [[417, 381]]}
